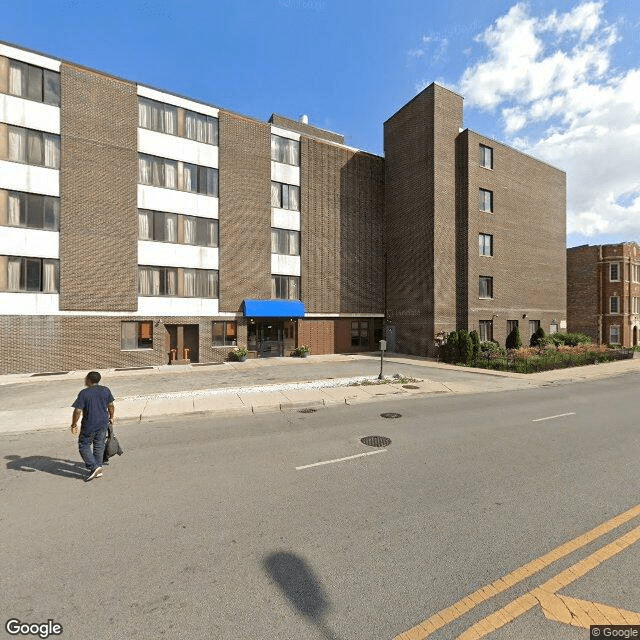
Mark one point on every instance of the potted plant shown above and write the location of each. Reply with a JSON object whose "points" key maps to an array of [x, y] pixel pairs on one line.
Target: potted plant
{"points": [[240, 353], [302, 351]]}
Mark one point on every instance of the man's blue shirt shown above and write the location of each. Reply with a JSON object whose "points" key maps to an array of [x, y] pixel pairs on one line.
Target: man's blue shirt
{"points": [[93, 402]]}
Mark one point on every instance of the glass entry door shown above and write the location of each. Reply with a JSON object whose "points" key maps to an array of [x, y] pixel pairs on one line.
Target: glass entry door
{"points": [[270, 339]]}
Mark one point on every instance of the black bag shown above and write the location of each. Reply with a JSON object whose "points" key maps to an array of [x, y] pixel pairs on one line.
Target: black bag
{"points": [[112, 446]]}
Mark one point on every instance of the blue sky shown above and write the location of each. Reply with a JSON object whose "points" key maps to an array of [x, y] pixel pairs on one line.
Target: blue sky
{"points": [[556, 78]]}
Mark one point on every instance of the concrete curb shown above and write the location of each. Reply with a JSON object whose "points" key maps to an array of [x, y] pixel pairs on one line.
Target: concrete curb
{"points": [[243, 400]]}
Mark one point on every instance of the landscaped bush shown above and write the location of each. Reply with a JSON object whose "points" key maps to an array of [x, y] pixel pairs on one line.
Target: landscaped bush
{"points": [[513, 339], [571, 339], [475, 339], [465, 346], [537, 337]]}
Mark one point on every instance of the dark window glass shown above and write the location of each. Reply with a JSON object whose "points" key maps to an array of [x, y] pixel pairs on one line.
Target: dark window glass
{"points": [[486, 287], [51, 213], [33, 274], [34, 83], [52, 88]]}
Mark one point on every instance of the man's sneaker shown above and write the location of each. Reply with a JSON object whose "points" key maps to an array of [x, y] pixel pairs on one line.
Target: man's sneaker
{"points": [[99, 475], [94, 474]]}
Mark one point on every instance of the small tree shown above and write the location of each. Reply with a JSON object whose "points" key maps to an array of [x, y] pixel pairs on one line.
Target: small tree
{"points": [[537, 337], [452, 346], [465, 346], [513, 339], [475, 339]]}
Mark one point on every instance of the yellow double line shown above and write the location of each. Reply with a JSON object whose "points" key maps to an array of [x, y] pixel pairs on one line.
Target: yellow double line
{"points": [[554, 607]]}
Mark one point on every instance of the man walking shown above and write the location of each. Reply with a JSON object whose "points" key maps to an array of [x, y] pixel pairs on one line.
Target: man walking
{"points": [[95, 404]]}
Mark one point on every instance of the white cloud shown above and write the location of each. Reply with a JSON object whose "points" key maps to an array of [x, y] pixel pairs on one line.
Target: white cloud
{"points": [[435, 46], [555, 71]]}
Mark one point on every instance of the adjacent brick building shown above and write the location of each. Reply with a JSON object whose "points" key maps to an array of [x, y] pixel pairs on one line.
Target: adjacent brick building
{"points": [[140, 227], [603, 292]]}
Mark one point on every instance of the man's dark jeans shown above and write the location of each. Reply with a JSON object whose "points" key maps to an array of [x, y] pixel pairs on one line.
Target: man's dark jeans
{"points": [[96, 440]]}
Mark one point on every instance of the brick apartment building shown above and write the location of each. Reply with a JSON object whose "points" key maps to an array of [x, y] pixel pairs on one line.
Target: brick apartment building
{"points": [[141, 227], [603, 292]]}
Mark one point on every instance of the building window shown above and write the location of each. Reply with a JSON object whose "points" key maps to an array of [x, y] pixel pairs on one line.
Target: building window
{"points": [[177, 282], [486, 287], [136, 335], [224, 334], [35, 275], [534, 325], [486, 157], [486, 200], [285, 150], [553, 328], [200, 283], [201, 128], [173, 174], [158, 172], [486, 244], [34, 83], [285, 196], [199, 179], [157, 116], [157, 281], [285, 287], [511, 325], [285, 242], [614, 272], [635, 271], [34, 147], [614, 304], [160, 226], [33, 211], [360, 333], [636, 305], [486, 330], [614, 334]]}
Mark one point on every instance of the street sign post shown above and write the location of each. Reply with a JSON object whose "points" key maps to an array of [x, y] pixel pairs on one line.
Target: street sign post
{"points": [[383, 348]]}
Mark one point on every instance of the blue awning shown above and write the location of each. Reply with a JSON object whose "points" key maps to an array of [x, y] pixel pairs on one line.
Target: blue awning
{"points": [[273, 309]]}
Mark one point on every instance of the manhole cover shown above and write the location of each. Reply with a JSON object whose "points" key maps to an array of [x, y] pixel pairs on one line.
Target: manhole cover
{"points": [[307, 410], [391, 415], [410, 386], [376, 441]]}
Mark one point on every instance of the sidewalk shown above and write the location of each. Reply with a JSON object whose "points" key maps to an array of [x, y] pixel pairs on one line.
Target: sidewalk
{"points": [[43, 402]]}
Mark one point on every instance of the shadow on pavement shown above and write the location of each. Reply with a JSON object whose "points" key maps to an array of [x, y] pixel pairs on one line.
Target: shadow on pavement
{"points": [[301, 587], [55, 466]]}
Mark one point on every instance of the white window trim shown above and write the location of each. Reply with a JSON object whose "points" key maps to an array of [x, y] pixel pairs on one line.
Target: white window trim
{"points": [[616, 326], [614, 313], [610, 278]]}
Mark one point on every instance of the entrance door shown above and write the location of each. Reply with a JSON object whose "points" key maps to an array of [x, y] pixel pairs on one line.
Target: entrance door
{"points": [[635, 337], [270, 339], [182, 342]]}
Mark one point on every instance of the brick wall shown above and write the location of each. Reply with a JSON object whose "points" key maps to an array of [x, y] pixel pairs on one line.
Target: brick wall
{"points": [[528, 225], [64, 343], [306, 129], [317, 334], [420, 214], [341, 220], [98, 192], [583, 290], [245, 210]]}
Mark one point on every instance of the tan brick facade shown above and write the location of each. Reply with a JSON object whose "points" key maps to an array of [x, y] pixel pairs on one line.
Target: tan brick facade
{"points": [[395, 235], [590, 287], [98, 192], [245, 210], [341, 218]]}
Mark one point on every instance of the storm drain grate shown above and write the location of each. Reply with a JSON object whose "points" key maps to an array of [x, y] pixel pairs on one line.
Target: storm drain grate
{"points": [[410, 386], [376, 441], [307, 410], [391, 415]]}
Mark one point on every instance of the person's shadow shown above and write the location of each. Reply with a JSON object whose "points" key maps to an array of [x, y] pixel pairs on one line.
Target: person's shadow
{"points": [[55, 466], [301, 587]]}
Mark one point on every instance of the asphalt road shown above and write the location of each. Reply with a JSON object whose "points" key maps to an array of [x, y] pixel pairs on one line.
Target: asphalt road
{"points": [[205, 529]]}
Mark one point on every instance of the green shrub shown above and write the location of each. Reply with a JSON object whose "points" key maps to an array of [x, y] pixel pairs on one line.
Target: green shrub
{"points": [[475, 339], [451, 348], [465, 346], [537, 337], [571, 339], [513, 339]]}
